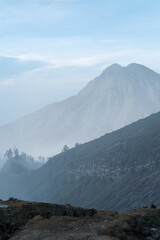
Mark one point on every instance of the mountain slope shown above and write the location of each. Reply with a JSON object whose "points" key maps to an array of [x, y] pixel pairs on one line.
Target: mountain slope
{"points": [[119, 96], [118, 171]]}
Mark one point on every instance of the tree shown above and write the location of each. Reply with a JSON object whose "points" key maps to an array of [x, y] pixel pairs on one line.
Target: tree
{"points": [[8, 154], [153, 206], [77, 144], [16, 152], [65, 148], [41, 159]]}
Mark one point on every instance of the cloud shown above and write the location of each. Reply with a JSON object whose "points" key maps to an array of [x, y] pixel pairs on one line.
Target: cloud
{"points": [[16, 67], [71, 61]]}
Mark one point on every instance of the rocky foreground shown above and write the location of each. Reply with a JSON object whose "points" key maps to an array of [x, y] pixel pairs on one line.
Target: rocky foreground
{"points": [[37, 221]]}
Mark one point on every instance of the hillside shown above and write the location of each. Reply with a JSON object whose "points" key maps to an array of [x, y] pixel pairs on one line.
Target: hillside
{"points": [[40, 221], [119, 96], [118, 171]]}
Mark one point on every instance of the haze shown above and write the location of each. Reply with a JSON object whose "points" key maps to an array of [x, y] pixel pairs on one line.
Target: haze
{"points": [[50, 49]]}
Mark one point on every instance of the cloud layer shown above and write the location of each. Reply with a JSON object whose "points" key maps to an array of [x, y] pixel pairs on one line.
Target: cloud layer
{"points": [[52, 48]]}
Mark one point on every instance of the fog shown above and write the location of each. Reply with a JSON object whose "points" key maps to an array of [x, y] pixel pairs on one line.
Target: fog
{"points": [[119, 96]]}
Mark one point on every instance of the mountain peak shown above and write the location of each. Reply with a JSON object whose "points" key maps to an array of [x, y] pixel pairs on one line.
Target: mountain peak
{"points": [[114, 66], [117, 66], [136, 66], [132, 67], [117, 97]]}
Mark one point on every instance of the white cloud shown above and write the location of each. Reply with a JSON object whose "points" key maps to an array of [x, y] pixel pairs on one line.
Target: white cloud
{"points": [[6, 83], [71, 61]]}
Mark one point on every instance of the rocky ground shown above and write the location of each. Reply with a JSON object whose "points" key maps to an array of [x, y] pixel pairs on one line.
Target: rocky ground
{"points": [[25, 221]]}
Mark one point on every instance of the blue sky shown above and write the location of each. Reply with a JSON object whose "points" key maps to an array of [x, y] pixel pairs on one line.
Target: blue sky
{"points": [[49, 49]]}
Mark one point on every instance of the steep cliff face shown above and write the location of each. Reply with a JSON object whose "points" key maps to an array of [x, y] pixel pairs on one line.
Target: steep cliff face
{"points": [[119, 96]]}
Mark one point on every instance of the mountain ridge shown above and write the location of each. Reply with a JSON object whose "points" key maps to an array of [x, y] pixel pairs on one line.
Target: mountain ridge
{"points": [[110, 101], [117, 171]]}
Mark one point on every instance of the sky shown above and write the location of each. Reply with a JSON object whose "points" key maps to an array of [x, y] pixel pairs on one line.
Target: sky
{"points": [[50, 49]]}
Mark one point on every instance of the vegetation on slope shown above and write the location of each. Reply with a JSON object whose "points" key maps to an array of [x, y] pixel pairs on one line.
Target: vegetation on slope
{"points": [[118, 171]]}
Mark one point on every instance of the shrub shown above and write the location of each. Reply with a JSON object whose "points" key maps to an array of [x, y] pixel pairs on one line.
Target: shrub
{"points": [[13, 199]]}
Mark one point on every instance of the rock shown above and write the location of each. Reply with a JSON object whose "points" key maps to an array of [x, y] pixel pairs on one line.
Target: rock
{"points": [[37, 218], [15, 215], [41, 221]]}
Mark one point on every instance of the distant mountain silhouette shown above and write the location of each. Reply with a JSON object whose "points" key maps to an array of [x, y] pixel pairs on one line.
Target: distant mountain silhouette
{"points": [[119, 96]]}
